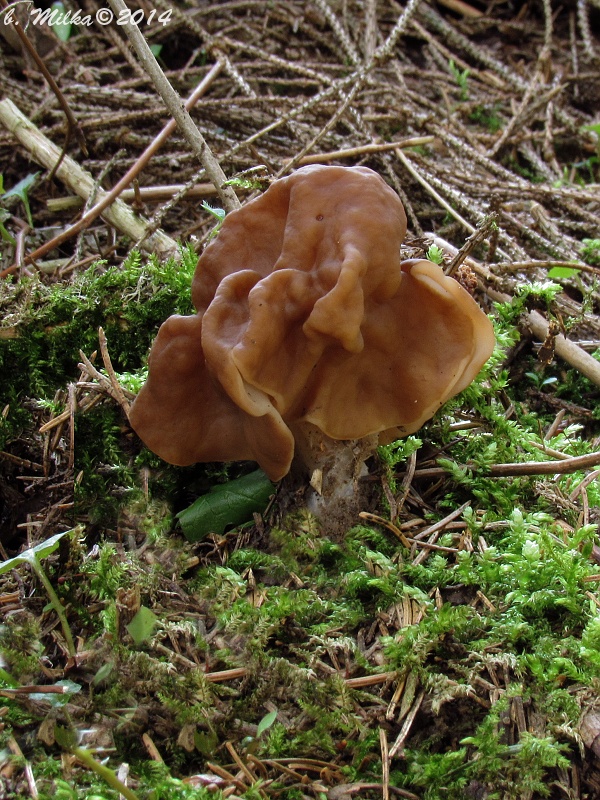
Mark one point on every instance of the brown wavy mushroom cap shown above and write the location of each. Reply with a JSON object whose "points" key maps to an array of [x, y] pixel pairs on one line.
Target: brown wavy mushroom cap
{"points": [[307, 315]]}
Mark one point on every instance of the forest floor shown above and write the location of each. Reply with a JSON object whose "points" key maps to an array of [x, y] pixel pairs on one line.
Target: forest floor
{"points": [[446, 644]]}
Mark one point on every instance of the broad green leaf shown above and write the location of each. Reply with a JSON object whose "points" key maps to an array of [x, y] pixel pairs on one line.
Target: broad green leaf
{"points": [[228, 504], [61, 28], [562, 272], [156, 48], [40, 551], [20, 190], [142, 625], [266, 722]]}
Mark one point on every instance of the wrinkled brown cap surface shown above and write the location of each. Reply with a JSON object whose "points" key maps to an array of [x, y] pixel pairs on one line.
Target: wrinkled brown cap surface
{"points": [[305, 313]]}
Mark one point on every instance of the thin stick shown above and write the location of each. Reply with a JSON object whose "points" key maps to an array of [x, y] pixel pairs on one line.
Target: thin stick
{"points": [[352, 152], [563, 467], [418, 177], [116, 386], [385, 765], [369, 680], [407, 481], [226, 675], [405, 730], [386, 524], [484, 228], [437, 526], [145, 193], [461, 8], [177, 110], [434, 532], [250, 776]]}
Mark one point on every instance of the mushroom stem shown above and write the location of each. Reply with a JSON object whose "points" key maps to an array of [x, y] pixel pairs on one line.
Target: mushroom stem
{"points": [[334, 466]]}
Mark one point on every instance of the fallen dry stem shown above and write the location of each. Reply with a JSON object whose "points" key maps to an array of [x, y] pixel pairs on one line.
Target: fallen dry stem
{"points": [[46, 153], [365, 149], [116, 387], [484, 229], [562, 467], [405, 730]]}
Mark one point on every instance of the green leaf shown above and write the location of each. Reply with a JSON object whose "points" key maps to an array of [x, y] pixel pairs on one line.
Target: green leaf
{"points": [[65, 737], [7, 678], [61, 29], [142, 625], [103, 673], [20, 190], [435, 254], [206, 743], [156, 48], [29, 556], [4, 215], [227, 504], [266, 722], [562, 272], [218, 213], [595, 128]]}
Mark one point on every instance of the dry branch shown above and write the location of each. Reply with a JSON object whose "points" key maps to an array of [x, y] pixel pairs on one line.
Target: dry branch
{"points": [[46, 153], [564, 466]]}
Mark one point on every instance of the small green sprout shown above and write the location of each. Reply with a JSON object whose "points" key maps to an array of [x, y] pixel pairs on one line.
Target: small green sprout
{"points": [[251, 742], [590, 252], [218, 214], [66, 739], [33, 557], [461, 77], [538, 379], [435, 254], [20, 190]]}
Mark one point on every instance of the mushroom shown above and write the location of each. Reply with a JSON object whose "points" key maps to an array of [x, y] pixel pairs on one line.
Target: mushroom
{"points": [[309, 331]]}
